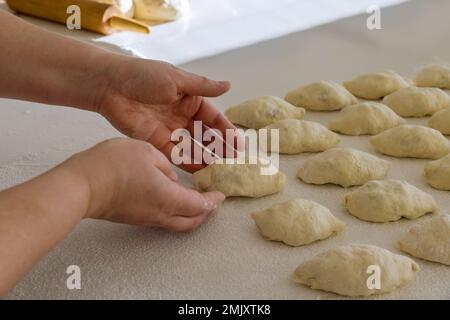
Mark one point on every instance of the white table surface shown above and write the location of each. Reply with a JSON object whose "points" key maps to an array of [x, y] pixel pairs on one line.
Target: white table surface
{"points": [[226, 257]]}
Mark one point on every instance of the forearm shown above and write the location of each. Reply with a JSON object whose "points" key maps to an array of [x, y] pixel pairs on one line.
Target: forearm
{"points": [[35, 216], [41, 66]]}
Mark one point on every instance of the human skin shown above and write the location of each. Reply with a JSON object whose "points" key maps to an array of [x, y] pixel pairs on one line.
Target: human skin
{"points": [[120, 180]]}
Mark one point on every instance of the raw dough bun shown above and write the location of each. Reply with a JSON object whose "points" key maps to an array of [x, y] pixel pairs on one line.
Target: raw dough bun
{"points": [[297, 222], [158, 11], [388, 200], [412, 141], [297, 136], [343, 166], [239, 180], [374, 86], [437, 173], [441, 121], [321, 96], [435, 76], [417, 102], [260, 112], [429, 240], [365, 118], [343, 270]]}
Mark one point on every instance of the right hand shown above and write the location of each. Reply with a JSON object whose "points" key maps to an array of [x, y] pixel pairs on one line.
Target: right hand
{"points": [[132, 182]]}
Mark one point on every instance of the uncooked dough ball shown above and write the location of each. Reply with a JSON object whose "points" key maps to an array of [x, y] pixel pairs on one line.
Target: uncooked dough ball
{"points": [[321, 96], [346, 270], [436, 76], [388, 200], [412, 141], [297, 136], [437, 173], [417, 102], [374, 86], [429, 240], [160, 10], [240, 179], [441, 121], [343, 166], [365, 118], [297, 222], [260, 112]]}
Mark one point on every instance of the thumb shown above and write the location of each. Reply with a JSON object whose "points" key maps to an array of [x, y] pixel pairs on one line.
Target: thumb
{"points": [[191, 203], [195, 85]]}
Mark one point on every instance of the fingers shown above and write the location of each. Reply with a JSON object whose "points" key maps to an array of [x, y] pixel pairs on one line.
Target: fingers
{"points": [[162, 163], [212, 117], [190, 203], [187, 165], [184, 224], [195, 85], [187, 221]]}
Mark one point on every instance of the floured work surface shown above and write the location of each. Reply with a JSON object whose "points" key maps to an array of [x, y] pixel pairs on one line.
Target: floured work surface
{"points": [[226, 258]]}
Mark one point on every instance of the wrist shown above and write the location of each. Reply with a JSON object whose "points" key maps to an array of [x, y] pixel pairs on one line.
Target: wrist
{"points": [[99, 181]]}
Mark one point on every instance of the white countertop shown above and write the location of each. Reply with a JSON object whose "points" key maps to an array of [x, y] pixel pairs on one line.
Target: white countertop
{"points": [[226, 257]]}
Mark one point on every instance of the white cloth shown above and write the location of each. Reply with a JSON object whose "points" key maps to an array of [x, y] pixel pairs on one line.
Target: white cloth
{"points": [[215, 26]]}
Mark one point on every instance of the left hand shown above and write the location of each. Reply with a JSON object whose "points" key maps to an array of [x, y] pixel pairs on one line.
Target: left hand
{"points": [[147, 100]]}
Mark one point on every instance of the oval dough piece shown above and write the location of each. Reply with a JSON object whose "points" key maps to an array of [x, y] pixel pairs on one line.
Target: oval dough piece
{"points": [[297, 136], [157, 11], [365, 118], [417, 102], [374, 86], [411, 141], [429, 240], [321, 96], [297, 222], [388, 200], [435, 76], [239, 180], [343, 166], [344, 270], [437, 173], [441, 121], [260, 112]]}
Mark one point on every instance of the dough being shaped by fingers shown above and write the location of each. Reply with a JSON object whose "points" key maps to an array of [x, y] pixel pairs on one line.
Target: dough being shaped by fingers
{"points": [[260, 112], [343, 166], [429, 240], [297, 136], [365, 118], [297, 222], [441, 121], [254, 178], [411, 141], [437, 173], [345, 270], [375, 86], [321, 96], [417, 102], [388, 200], [435, 76]]}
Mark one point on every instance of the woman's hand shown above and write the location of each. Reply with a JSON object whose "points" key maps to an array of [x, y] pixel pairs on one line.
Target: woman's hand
{"points": [[147, 100], [132, 182]]}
